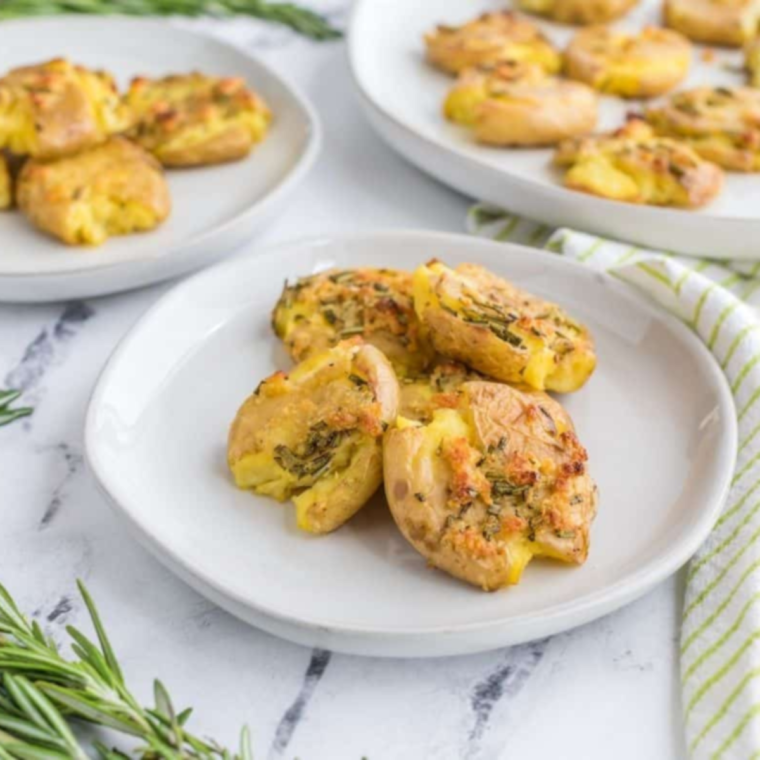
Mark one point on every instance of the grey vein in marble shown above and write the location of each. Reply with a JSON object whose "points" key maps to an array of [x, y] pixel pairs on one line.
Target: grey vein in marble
{"points": [[320, 659], [41, 353], [73, 461], [61, 610], [506, 680]]}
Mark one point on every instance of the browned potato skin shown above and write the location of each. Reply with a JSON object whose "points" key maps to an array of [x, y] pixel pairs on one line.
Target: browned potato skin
{"points": [[55, 194], [712, 21], [196, 120], [444, 505], [65, 115]]}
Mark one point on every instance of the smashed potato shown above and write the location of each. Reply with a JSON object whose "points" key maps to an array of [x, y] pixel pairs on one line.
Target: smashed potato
{"points": [[56, 108], [579, 11], [633, 165], [6, 184], [721, 124], [629, 65], [194, 120], [317, 312], [315, 434], [114, 189], [477, 318], [484, 487], [517, 104], [488, 39], [715, 22]]}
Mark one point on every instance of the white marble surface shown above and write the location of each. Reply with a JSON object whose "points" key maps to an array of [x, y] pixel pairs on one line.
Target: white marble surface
{"points": [[607, 690]]}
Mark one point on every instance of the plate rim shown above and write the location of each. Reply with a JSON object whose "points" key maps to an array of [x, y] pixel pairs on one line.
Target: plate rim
{"points": [[549, 192], [585, 608], [312, 148]]}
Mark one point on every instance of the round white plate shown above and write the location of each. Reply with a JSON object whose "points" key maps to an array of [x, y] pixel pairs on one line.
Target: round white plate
{"points": [[215, 209], [657, 418], [402, 96]]}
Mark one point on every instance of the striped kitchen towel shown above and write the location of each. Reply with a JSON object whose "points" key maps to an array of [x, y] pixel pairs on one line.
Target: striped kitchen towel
{"points": [[720, 635]]}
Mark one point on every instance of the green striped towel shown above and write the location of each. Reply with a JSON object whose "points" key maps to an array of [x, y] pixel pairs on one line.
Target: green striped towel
{"points": [[720, 635]]}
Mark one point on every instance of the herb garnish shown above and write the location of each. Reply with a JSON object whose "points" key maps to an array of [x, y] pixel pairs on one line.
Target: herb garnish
{"points": [[298, 18], [43, 695], [314, 457], [8, 415]]}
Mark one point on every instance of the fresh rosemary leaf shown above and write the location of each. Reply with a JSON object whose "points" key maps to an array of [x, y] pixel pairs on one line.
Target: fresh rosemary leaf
{"points": [[298, 18], [7, 397]]}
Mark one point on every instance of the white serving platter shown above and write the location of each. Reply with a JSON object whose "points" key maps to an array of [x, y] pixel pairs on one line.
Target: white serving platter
{"points": [[402, 97], [215, 209], [657, 418]]}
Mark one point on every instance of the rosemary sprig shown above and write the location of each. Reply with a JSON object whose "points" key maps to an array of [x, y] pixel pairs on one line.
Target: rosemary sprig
{"points": [[41, 693], [298, 18], [8, 415]]}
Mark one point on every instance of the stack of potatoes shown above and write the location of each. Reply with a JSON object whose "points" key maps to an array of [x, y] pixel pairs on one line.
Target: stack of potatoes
{"points": [[86, 161], [433, 382], [514, 88]]}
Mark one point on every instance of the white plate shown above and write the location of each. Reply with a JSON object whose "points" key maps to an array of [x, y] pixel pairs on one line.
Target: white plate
{"points": [[402, 96], [657, 418], [215, 209]]}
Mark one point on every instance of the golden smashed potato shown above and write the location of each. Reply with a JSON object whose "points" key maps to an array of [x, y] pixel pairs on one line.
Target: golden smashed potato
{"points": [[56, 108], [477, 318], [484, 487], [634, 165], [6, 184], [315, 434], [579, 11], [194, 120], [488, 39], [721, 124], [518, 104], [114, 189], [319, 311], [715, 22], [641, 65]]}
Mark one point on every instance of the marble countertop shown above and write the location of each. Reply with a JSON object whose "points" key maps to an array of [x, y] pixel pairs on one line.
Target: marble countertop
{"points": [[609, 689]]}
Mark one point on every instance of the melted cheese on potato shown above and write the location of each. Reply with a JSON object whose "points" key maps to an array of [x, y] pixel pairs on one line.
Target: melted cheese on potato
{"points": [[635, 166], [113, 189], [484, 487], [488, 39], [629, 65], [56, 109], [496, 328], [317, 312], [314, 435], [191, 120], [721, 124]]}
